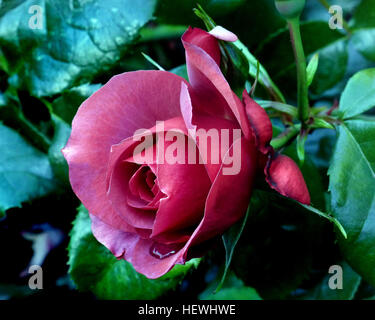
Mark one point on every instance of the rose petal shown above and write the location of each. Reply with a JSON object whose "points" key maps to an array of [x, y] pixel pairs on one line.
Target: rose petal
{"points": [[118, 196], [134, 249], [138, 185], [106, 118], [186, 186], [118, 175], [229, 196], [223, 34], [260, 123], [283, 175], [124, 150], [116, 240], [204, 40], [225, 204], [142, 196], [149, 265], [212, 149], [210, 92], [187, 109]]}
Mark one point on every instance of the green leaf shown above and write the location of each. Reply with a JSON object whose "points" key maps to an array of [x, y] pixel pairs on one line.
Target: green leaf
{"points": [[181, 12], [25, 172], [230, 239], [253, 22], [282, 138], [234, 289], [351, 282], [181, 71], [161, 32], [241, 293], [241, 58], [235, 65], [278, 59], [94, 268], [153, 62], [322, 124], [328, 217], [68, 103], [352, 187], [319, 146], [12, 114], [363, 27], [311, 68], [364, 42], [278, 106], [78, 40], [233, 235], [274, 253], [290, 9], [359, 94], [333, 60], [57, 160], [312, 177], [254, 86], [278, 45], [364, 15], [301, 139], [264, 78]]}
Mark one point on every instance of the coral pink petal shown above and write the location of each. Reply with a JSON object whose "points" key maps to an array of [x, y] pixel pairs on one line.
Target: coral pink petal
{"points": [[186, 186], [204, 40], [134, 249], [119, 174], [283, 175], [149, 264], [206, 97], [226, 203], [229, 195], [214, 150], [259, 122], [223, 34], [116, 240], [125, 150], [210, 92], [117, 195], [138, 185], [187, 109], [218, 141], [106, 118]]}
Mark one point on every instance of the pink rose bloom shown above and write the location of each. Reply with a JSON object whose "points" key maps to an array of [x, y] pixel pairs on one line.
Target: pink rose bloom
{"points": [[153, 214]]}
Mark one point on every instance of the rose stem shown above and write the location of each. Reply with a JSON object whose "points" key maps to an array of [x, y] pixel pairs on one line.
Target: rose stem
{"points": [[303, 100]]}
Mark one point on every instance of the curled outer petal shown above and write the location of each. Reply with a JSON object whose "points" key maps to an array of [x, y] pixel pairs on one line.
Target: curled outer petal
{"points": [[260, 123], [210, 91]]}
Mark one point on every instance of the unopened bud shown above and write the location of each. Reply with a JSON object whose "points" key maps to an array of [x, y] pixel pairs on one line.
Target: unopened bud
{"points": [[290, 9]]}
